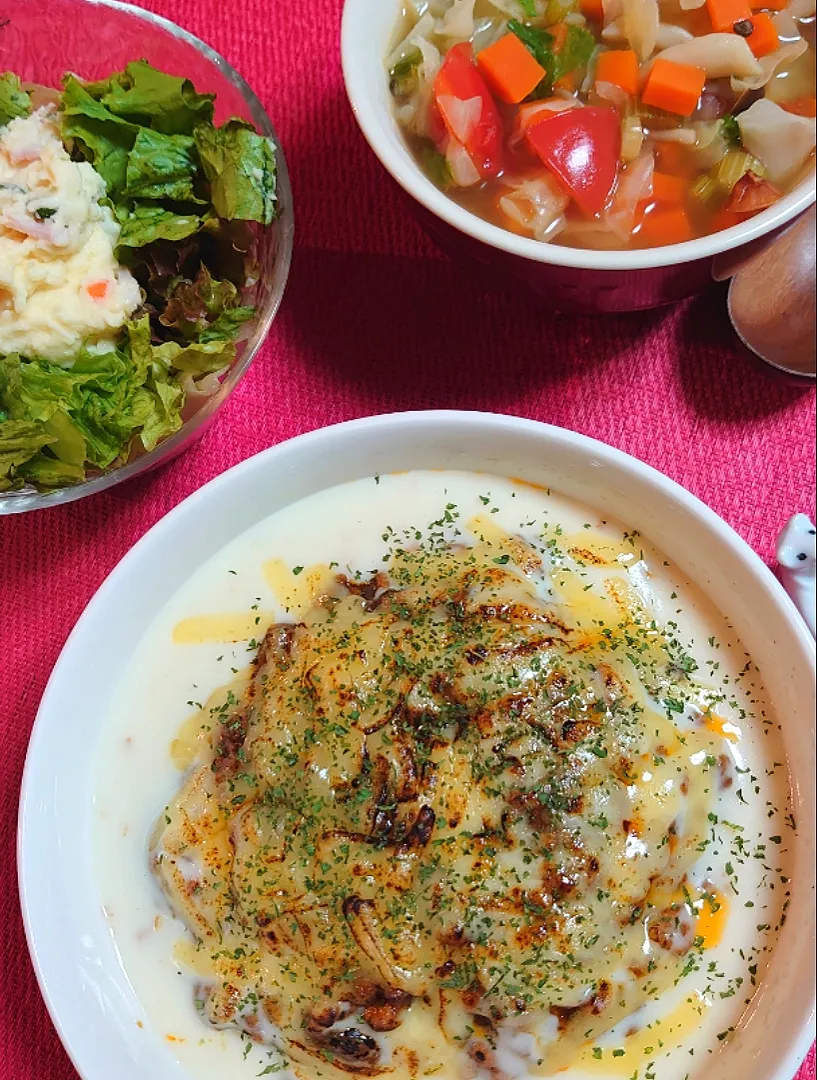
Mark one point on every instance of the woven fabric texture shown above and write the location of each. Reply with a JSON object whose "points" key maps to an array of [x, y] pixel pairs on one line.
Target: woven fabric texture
{"points": [[376, 320]]}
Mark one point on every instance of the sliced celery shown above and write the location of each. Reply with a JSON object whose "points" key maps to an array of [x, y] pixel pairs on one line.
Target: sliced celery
{"points": [[733, 166], [705, 189], [632, 137]]}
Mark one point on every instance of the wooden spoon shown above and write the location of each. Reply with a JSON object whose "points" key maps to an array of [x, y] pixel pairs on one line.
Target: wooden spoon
{"points": [[772, 300]]}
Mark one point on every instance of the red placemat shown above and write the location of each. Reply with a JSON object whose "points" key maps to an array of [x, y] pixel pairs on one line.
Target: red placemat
{"points": [[375, 320]]}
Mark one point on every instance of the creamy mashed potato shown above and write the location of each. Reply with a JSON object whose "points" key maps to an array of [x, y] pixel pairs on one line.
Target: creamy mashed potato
{"points": [[60, 284]]}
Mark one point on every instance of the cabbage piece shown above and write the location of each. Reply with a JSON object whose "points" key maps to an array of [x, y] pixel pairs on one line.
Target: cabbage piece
{"points": [[516, 9], [711, 143], [720, 55], [458, 22], [425, 60], [463, 170], [418, 39], [634, 186], [781, 140], [461, 117], [487, 32], [537, 204]]}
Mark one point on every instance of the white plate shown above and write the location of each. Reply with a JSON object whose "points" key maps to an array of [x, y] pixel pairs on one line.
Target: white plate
{"points": [[87, 992]]}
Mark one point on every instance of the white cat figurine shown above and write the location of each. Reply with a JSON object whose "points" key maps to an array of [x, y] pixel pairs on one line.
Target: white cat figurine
{"points": [[797, 555]]}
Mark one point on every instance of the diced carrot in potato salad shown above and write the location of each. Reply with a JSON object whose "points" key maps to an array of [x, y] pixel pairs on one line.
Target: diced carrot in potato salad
{"points": [[608, 124]]}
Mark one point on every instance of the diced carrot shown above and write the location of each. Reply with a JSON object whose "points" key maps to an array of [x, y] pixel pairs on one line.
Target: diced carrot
{"points": [[676, 88], [723, 14], [769, 5], [592, 9], [803, 106], [510, 69], [669, 189], [619, 67], [662, 227], [97, 290], [763, 38]]}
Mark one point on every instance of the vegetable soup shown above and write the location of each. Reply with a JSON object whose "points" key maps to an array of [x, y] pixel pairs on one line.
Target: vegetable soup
{"points": [[608, 124]]}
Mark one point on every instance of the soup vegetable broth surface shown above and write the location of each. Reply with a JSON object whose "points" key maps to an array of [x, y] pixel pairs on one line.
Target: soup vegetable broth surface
{"points": [[608, 123], [472, 785]]}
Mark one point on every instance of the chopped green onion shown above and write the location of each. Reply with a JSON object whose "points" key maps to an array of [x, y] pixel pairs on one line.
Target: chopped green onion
{"points": [[404, 77], [733, 166], [529, 7], [705, 189], [436, 166]]}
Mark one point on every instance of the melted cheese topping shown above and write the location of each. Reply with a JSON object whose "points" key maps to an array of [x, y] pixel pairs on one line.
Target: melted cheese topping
{"points": [[56, 241], [450, 826]]}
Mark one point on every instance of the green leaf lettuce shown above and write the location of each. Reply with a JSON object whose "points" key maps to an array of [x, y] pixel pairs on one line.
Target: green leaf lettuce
{"points": [[240, 166], [14, 101]]}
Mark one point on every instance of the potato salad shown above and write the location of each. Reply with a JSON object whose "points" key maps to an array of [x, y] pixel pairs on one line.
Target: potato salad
{"points": [[61, 285]]}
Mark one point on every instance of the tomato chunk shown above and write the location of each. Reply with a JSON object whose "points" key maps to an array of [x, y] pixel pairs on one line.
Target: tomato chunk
{"points": [[468, 110], [582, 147]]}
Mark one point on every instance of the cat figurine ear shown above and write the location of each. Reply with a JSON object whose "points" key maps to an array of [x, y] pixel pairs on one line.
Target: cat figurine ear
{"points": [[797, 555]]}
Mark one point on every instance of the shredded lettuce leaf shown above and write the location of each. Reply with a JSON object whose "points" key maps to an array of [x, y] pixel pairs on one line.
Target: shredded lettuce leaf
{"points": [[145, 223], [14, 101], [152, 98], [20, 441], [162, 167], [56, 421], [202, 309], [152, 139], [240, 165]]}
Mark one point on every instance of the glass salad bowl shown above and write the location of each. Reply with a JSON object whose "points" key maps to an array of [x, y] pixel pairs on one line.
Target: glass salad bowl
{"points": [[41, 40]]}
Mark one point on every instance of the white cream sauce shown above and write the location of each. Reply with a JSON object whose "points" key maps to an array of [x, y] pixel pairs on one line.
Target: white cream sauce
{"points": [[185, 657]]}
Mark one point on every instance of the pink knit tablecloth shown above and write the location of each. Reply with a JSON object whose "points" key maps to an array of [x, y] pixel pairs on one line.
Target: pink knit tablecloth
{"points": [[375, 320]]}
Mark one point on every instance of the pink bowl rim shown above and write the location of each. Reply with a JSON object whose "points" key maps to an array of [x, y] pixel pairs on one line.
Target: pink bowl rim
{"points": [[357, 58]]}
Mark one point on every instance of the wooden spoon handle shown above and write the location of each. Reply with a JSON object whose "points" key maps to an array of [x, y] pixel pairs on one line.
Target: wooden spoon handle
{"points": [[727, 264]]}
